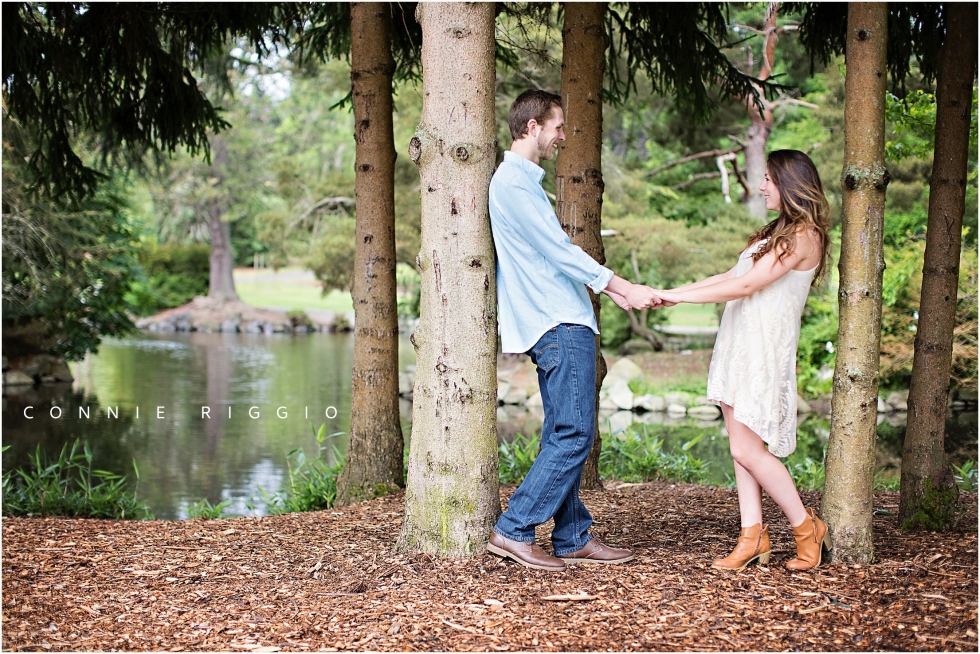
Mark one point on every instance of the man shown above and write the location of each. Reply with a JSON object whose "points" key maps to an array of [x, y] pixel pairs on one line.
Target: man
{"points": [[545, 311]]}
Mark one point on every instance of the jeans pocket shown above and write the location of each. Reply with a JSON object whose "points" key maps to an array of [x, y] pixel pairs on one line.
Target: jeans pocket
{"points": [[545, 353]]}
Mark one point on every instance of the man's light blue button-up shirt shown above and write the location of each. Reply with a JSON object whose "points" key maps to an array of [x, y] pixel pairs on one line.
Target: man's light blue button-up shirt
{"points": [[541, 276]]}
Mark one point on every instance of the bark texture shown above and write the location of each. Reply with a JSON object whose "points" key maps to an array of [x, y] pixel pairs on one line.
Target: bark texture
{"points": [[452, 500], [757, 136], [221, 283], [374, 464], [578, 171], [847, 502], [928, 490]]}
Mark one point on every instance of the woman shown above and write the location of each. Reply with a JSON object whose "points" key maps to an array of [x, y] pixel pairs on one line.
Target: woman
{"points": [[753, 366]]}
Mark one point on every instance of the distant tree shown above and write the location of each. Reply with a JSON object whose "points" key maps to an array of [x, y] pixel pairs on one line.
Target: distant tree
{"points": [[452, 498], [928, 489], [851, 448], [374, 462]]}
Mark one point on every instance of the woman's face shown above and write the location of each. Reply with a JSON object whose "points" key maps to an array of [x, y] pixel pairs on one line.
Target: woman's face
{"points": [[773, 201]]}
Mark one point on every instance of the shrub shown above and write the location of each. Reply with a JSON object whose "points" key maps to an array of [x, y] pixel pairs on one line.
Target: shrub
{"points": [[69, 487], [172, 275]]}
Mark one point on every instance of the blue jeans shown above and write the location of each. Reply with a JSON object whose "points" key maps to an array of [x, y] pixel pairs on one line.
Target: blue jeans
{"points": [[565, 358]]}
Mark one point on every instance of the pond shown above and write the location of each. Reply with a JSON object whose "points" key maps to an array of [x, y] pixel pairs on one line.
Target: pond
{"points": [[213, 416]]}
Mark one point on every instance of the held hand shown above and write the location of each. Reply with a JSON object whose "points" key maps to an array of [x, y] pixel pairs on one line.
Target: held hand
{"points": [[620, 300], [668, 298], [642, 297]]}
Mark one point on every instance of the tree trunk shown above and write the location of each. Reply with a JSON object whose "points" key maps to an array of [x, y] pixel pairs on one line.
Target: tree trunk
{"points": [[847, 500], [221, 283], [578, 171], [374, 462], [452, 500], [760, 128], [929, 493]]}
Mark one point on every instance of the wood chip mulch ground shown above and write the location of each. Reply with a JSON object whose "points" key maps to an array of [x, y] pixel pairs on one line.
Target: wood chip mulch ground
{"points": [[332, 580]]}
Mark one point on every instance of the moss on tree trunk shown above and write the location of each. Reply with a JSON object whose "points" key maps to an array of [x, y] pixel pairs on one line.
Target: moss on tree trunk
{"points": [[928, 487], [452, 500]]}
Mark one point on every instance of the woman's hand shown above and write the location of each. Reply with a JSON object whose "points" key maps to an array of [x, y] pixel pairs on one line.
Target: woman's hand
{"points": [[667, 298]]}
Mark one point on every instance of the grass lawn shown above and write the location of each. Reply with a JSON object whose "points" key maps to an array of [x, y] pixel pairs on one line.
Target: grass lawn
{"points": [[692, 315], [287, 290]]}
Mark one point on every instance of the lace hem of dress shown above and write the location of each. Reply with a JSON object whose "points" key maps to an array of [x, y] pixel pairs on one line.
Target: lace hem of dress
{"points": [[774, 444]]}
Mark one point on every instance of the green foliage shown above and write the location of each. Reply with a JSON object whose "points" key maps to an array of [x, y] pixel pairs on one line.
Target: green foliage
{"points": [[517, 456], [696, 385], [120, 71], [966, 476], [807, 474], [68, 486], [173, 275], [409, 290], [312, 483], [66, 266], [638, 456], [207, 511], [914, 122]]}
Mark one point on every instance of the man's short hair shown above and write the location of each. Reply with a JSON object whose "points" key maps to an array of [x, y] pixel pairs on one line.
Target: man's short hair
{"points": [[531, 104]]}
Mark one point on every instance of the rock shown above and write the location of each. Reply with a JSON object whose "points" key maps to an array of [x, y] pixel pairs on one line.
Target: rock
{"points": [[5, 364], [635, 346], [516, 396], [605, 404], [897, 419], [649, 418], [230, 326], [183, 325], [679, 397], [502, 389], [405, 383], [649, 403], [802, 406], [268, 328], [61, 372], [625, 369], [883, 406], [674, 409], [899, 400], [702, 401], [705, 412], [967, 394], [410, 368], [252, 327], [620, 421], [621, 395], [534, 401], [16, 378]]}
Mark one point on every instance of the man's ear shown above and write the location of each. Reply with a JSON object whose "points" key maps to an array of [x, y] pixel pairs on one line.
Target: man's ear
{"points": [[531, 124]]}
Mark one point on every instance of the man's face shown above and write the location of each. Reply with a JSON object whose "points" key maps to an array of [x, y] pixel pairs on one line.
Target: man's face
{"points": [[551, 133]]}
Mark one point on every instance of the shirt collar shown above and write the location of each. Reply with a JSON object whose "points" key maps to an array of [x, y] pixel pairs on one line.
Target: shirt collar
{"points": [[534, 170]]}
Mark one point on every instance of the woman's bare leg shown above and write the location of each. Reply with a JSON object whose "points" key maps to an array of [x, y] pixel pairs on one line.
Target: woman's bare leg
{"points": [[751, 456]]}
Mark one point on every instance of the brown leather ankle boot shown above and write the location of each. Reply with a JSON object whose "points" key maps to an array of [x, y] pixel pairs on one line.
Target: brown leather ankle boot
{"points": [[811, 538], [753, 543]]}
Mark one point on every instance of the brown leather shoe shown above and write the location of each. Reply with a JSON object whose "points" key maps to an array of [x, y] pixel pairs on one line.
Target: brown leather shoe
{"points": [[753, 544], [527, 554], [595, 552], [811, 539]]}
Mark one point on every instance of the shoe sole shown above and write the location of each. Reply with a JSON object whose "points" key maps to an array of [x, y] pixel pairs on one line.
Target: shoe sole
{"points": [[608, 562], [493, 549]]}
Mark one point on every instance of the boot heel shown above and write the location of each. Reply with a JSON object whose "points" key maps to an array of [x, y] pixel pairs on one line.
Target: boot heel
{"points": [[827, 543], [764, 558]]}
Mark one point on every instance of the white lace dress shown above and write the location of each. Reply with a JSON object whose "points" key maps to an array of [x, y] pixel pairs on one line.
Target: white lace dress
{"points": [[753, 366]]}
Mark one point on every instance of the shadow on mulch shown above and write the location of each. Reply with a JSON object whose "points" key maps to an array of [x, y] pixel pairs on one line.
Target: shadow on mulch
{"points": [[331, 580]]}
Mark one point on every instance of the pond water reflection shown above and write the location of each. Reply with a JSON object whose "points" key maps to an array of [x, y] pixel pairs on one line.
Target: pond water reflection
{"points": [[218, 434]]}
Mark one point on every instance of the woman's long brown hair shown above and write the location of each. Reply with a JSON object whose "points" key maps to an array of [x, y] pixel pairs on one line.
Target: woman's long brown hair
{"points": [[803, 203]]}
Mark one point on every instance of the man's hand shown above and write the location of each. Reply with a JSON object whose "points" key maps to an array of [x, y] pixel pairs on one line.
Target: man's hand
{"points": [[620, 300], [642, 297]]}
